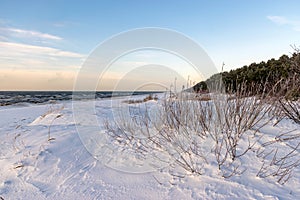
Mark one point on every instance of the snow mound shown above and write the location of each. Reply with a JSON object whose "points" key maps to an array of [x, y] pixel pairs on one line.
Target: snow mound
{"points": [[53, 118]]}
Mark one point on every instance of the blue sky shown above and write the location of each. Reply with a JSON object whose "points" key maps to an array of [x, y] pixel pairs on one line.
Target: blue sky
{"points": [[44, 43]]}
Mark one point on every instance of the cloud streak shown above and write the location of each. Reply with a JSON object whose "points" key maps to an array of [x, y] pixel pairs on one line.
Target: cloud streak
{"points": [[280, 20], [28, 34], [25, 58], [19, 49]]}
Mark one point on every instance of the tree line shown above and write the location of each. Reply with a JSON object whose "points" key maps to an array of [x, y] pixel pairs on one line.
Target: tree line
{"points": [[277, 76]]}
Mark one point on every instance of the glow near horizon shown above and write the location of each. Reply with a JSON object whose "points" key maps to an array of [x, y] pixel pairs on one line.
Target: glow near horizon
{"points": [[43, 44]]}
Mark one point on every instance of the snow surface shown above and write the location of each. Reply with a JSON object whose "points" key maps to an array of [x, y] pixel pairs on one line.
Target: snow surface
{"points": [[34, 168]]}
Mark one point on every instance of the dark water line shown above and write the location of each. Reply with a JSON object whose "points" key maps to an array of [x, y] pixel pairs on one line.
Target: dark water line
{"points": [[37, 97]]}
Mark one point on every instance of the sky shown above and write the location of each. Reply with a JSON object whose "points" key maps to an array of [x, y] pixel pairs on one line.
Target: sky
{"points": [[44, 43]]}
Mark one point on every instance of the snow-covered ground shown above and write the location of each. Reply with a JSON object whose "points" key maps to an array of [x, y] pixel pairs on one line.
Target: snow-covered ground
{"points": [[63, 168]]}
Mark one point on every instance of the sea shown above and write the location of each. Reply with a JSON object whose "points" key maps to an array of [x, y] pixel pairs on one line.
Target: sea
{"points": [[41, 97]]}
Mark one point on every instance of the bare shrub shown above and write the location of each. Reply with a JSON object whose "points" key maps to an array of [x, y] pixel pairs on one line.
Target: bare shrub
{"points": [[280, 156], [290, 109], [167, 130], [237, 117], [192, 133], [289, 101], [55, 111], [148, 98]]}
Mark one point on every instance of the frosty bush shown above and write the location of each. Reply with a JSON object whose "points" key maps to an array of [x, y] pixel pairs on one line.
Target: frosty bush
{"points": [[194, 133]]}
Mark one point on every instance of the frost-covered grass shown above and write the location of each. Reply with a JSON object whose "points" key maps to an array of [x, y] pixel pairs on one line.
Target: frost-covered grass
{"points": [[32, 167]]}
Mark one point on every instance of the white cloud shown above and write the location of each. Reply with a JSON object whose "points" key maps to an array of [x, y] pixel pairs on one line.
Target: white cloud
{"points": [[280, 20], [29, 61], [28, 33], [18, 49], [23, 57]]}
